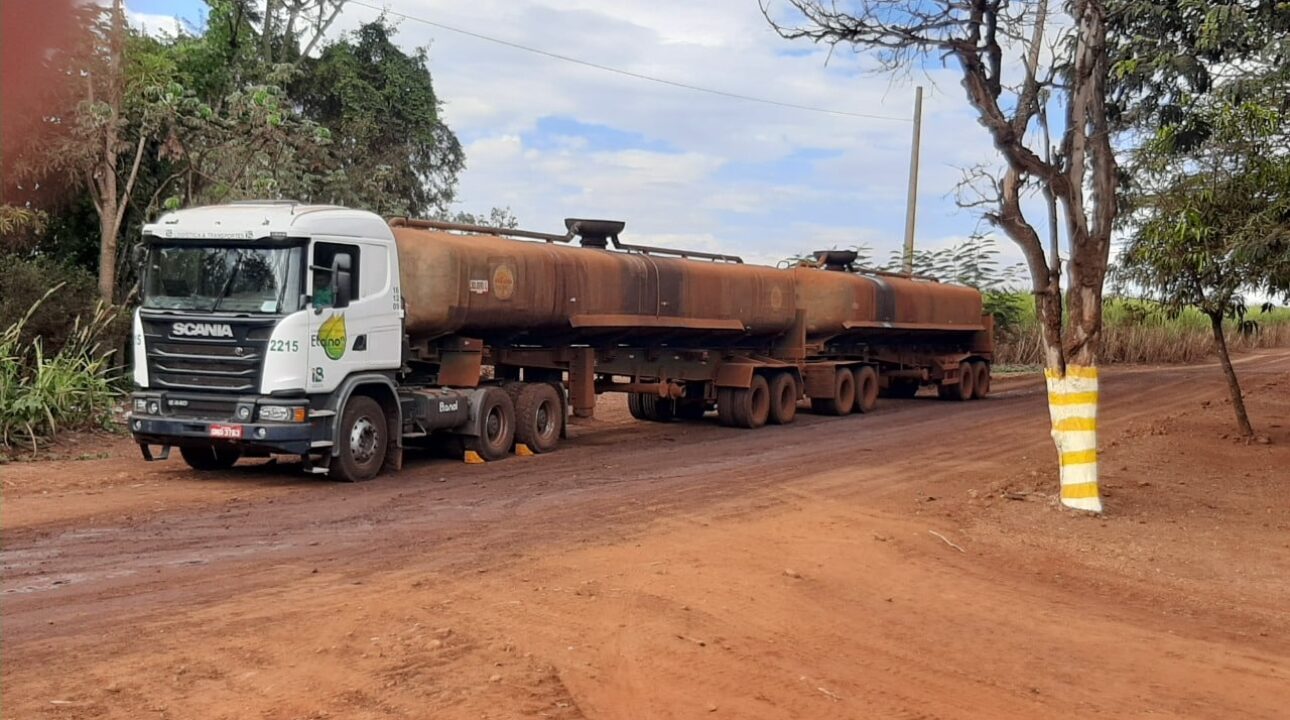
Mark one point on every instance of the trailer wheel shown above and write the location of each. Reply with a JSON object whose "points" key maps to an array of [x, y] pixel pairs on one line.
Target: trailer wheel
{"points": [[538, 417], [783, 398], [844, 395], [636, 407], [962, 390], [747, 407], [361, 450], [866, 388], [981, 381], [210, 457], [726, 406], [497, 431]]}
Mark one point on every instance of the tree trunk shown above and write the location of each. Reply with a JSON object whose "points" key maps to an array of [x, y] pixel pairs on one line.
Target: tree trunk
{"points": [[107, 253], [1233, 385]]}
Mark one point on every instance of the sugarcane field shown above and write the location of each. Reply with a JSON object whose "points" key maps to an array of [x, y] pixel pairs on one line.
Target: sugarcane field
{"points": [[547, 359]]}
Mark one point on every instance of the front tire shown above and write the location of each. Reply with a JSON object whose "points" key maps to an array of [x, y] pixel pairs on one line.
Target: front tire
{"points": [[364, 439], [205, 458]]}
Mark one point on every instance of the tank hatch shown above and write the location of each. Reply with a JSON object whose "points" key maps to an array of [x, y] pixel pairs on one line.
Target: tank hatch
{"points": [[594, 233], [840, 260]]}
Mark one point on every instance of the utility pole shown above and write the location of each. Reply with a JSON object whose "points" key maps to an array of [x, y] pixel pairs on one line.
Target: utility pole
{"points": [[911, 203]]}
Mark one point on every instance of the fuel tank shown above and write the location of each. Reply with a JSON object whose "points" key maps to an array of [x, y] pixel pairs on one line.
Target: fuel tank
{"points": [[549, 294]]}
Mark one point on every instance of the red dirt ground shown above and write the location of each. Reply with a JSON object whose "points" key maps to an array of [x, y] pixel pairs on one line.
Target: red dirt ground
{"points": [[681, 571]]}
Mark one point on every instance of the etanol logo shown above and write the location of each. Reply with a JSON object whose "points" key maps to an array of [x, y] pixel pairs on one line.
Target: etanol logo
{"points": [[331, 336], [190, 329]]}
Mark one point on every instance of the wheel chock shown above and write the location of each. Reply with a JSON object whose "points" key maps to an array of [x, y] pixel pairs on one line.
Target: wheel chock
{"points": [[522, 450], [473, 458]]}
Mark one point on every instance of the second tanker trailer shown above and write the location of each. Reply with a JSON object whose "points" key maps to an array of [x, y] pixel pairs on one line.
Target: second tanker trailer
{"points": [[328, 333]]}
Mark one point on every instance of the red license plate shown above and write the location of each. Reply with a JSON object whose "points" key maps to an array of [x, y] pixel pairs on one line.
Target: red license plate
{"points": [[228, 432]]}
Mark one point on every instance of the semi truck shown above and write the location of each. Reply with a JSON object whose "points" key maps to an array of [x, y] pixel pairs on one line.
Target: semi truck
{"points": [[332, 334]]}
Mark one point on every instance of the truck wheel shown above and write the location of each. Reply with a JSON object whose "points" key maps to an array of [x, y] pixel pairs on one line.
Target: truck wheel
{"points": [[210, 457], [750, 406], [981, 381], [636, 407], [866, 388], [962, 390], [844, 395], [360, 453], [783, 398], [726, 406], [497, 432], [538, 417]]}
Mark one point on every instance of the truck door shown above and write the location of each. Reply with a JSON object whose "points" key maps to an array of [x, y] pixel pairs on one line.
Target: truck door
{"points": [[355, 336]]}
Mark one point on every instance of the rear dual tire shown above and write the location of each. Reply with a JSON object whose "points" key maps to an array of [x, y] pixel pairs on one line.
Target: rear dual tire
{"points": [[745, 407]]}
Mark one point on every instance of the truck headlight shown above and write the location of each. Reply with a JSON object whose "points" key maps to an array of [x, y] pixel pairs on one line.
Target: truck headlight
{"points": [[154, 408], [282, 413], [140, 405], [243, 413]]}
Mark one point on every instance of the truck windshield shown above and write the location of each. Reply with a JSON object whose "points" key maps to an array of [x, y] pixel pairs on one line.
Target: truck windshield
{"points": [[227, 278]]}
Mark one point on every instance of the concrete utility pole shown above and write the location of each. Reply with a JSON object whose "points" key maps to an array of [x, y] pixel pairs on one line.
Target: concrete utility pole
{"points": [[911, 204]]}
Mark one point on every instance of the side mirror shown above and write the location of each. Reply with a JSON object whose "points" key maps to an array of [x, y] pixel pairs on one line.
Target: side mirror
{"points": [[340, 280]]}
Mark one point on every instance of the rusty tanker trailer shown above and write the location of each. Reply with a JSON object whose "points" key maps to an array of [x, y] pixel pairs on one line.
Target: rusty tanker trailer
{"points": [[682, 332]]}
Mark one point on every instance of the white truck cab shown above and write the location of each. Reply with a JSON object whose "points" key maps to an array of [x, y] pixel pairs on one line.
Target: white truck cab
{"points": [[257, 321]]}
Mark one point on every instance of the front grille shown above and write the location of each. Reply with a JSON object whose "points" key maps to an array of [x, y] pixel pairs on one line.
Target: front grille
{"points": [[211, 364], [201, 408]]}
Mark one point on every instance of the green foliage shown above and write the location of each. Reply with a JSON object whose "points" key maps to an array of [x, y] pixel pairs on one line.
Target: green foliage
{"points": [[41, 392], [496, 217], [381, 109], [1211, 221]]}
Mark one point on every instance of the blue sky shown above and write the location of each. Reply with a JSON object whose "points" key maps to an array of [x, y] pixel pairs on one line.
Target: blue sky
{"points": [[551, 139]]}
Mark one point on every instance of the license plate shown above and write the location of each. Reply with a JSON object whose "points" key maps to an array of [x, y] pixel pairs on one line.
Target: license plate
{"points": [[228, 432]]}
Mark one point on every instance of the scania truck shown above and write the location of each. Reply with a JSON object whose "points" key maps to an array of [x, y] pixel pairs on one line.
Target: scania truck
{"points": [[331, 334]]}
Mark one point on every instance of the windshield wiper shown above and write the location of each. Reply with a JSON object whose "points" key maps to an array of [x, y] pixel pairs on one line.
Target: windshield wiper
{"points": [[232, 275]]}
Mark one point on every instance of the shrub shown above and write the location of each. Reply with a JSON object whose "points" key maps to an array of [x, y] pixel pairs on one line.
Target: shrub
{"points": [[42, 393]]}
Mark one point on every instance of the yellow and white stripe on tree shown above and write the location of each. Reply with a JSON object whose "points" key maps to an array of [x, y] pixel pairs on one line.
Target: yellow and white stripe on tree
{"points": [[1072, 405]]}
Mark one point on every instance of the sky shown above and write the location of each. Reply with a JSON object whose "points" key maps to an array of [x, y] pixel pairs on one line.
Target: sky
{"points": [[552, 139]]}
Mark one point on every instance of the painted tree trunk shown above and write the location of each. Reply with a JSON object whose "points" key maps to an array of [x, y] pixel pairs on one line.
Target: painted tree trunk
{"points": [[1072, 407]]}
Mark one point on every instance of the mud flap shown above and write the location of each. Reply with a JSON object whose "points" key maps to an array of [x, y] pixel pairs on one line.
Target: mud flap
{"points": [[1072, 406], [146, 450]]}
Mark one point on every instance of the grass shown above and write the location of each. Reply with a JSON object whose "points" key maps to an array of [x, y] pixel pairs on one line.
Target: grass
{"points": [[42, 394], [1136, 331]]}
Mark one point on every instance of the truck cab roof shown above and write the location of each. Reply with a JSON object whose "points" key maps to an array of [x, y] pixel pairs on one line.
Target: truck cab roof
{"points": [[266, 219]]}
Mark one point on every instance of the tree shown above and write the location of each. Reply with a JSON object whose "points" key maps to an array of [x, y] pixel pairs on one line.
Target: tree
{"points": [[1204, 213], [380, 106], [1013, 57]]}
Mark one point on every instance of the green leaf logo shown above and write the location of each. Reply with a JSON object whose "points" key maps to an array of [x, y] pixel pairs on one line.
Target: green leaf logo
{"points": [[331, 336]]}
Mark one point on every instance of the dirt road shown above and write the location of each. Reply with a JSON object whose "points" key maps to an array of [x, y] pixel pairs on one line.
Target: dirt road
{"points": [[681, 571]]}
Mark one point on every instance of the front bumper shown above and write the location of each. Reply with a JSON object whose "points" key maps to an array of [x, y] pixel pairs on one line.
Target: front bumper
{"points": [[281, 438]]}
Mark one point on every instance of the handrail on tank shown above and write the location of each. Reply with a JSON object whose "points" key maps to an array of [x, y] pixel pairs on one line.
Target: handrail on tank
{"points": [[550, 237], [481, 229], [650, 250], [820, 262]]}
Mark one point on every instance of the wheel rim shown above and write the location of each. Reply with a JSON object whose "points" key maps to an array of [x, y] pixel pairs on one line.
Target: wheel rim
{"points": [[545, 422], [363, 440], [495, 425]]}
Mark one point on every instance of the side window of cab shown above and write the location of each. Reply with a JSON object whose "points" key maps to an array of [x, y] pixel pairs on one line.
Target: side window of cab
{"points": [[336, 275]]}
